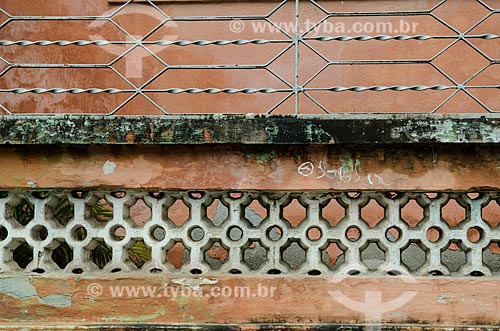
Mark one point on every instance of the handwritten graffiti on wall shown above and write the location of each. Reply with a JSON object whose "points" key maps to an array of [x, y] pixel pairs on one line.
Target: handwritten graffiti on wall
{"points": [[348, 172]]}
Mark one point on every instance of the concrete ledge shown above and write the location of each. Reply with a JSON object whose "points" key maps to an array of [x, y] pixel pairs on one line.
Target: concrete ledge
{"points": [[421, 303], [250, 129], [251, 327]]}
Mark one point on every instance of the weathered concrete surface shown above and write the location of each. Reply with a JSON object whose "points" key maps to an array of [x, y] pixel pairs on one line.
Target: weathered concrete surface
{"points": [[251, 129], [252, 168], [250, 327], [420, 301]]}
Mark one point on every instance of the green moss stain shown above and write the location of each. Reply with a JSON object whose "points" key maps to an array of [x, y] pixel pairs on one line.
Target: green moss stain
{"points": [[272, 133], [347, 162], [262, 158], [316, 134]]}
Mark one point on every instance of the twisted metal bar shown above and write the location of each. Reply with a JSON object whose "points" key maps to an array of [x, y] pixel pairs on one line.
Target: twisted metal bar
{"points": [[169, 90], [379, 88], [62, 90], [397, 37], [156, 42], [60, 42], [213, 42], [368, 38], [223, 42]]}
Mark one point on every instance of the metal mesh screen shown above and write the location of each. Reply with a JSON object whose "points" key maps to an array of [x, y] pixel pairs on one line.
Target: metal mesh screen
{"points": [[288, 57]]}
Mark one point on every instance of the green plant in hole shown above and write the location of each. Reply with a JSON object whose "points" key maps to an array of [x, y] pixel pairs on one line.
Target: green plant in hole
{"points": [[63, 213]]}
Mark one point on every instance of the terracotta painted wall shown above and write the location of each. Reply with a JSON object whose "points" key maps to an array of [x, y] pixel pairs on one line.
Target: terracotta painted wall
{"points": [[455, 49], [224, 57]]}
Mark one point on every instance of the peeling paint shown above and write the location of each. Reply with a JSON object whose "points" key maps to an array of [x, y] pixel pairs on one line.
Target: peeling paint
{"points": [[21, 288], [443, 298], [31, 183], [194, 283], [109, 167], [137, 318]]}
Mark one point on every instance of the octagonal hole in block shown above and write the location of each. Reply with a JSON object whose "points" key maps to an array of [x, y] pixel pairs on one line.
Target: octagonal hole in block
{"points": [[491, 256], [372, 213], [255, 255], [119, 194], [197, 195], [63, 211], [413, 256], [491, 213], [79, 194], [62, 255], [216, 254], [23, 254], [454, 256], [217, 212], [139, 254], [255, 213], [453, 213], [23, 212], [101, 254], [373, 256], [140, 212], [294, 254], [333, 212], [294, 213], [412, 213], [102, 211], [235, 195], [354, 195], [178, 212], [40, 194], [333, 255], [178, 255]]}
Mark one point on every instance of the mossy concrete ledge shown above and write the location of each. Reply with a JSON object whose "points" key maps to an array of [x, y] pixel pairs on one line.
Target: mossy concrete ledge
{"points": [[250, 129]]}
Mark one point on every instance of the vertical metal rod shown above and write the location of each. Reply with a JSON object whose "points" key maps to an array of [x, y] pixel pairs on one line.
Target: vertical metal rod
{"points": [[296, 42]]}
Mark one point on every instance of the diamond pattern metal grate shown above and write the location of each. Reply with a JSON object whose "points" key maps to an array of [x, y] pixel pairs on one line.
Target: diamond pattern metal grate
{"points": [[448, 63]]}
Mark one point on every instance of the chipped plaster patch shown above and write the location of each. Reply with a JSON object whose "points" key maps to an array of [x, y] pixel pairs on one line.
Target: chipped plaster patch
{"points": [[194, 283], [109, 167], [31, 183], [21, 288]]}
